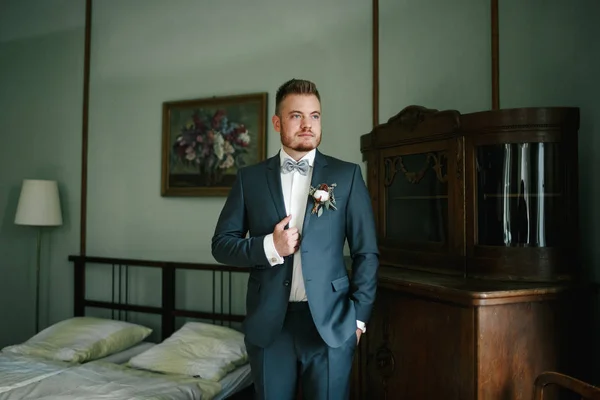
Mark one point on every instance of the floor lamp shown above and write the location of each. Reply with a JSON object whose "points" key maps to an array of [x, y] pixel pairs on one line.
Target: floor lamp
{"points": [[39, 206]]}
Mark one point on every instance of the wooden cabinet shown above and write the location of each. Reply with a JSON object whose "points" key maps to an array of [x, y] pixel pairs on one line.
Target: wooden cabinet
{"points": [[435, 336], [490, 194], [479, 286]]}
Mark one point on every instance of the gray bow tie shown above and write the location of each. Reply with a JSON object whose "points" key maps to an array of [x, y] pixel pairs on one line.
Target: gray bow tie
{"points": [[290, 165]]}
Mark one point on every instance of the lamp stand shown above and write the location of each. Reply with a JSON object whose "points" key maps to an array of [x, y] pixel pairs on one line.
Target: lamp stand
{"points": [[37, 276]]}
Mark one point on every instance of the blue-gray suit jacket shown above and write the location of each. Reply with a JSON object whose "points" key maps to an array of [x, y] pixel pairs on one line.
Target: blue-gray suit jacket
{"points": [[255, 205]]}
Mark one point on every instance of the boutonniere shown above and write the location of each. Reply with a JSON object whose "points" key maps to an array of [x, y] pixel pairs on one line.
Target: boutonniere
{"points": [[323, 197]]}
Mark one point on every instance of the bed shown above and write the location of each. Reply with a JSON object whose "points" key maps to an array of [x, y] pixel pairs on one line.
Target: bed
{"points": [[18, 370], [202, 359]]}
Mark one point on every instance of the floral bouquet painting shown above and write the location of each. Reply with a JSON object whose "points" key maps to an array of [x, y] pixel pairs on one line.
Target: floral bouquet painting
{"points": [[206, 141]]}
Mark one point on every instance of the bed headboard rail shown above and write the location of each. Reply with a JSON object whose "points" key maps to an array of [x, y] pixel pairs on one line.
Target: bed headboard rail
{"points": [[168, 310]]}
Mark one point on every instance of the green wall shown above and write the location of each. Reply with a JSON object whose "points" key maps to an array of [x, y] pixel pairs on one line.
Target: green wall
{"points": [[433, 53]]}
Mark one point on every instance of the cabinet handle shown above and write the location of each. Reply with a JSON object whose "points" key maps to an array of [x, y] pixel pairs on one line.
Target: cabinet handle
{"points": [[385, 362]]}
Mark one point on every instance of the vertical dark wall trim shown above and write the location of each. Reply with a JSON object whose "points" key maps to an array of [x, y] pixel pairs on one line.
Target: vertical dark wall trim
{"points": [[375, 62], [84, 127], [495, 57], [86, 90]]}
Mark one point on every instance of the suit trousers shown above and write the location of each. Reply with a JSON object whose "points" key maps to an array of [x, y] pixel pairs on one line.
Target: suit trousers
{"points": [[299, 349]]}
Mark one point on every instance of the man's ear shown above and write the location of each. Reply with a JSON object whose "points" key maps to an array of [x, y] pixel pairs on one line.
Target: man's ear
{"points": [[276, 123]]}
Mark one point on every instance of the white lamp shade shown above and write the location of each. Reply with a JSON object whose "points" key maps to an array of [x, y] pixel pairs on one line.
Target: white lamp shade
{"points": [[39, 204]]}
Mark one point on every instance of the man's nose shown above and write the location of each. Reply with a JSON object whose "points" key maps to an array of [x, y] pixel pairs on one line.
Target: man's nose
{"points": [[306, 123]]}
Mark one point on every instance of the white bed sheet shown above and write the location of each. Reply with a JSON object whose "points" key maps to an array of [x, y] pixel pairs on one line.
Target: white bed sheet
{"points": [[17, 370], [235, 381], [123, 356], [108, 381]]}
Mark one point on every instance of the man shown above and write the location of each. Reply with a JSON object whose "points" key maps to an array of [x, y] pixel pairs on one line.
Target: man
{"points": [[303, 314]]}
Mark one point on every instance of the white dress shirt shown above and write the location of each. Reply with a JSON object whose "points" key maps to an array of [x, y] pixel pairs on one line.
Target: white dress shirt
{"points": [[295, 188]]}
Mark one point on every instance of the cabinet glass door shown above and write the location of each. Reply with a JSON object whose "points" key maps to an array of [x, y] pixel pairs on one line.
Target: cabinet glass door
{"points": [[518, 195], [417, 196]]}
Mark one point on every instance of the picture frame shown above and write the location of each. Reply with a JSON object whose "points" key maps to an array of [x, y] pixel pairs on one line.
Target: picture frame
{"points": [[205, 141]]}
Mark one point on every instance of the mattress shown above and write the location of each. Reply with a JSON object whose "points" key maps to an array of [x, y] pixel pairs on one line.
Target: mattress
{"points": [[20, 371], [235, 381], [17, 370], [108, 381], [123, 356], [232, 383]]}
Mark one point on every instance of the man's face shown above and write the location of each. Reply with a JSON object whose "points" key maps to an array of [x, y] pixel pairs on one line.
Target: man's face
{"points": [[299, 122]]}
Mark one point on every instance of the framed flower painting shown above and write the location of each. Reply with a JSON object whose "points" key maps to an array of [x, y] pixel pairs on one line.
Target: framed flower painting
{"points": [[206, 141]]}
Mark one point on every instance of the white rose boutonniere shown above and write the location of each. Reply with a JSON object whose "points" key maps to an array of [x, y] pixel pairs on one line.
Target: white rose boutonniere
{"points": [[323, 197]]}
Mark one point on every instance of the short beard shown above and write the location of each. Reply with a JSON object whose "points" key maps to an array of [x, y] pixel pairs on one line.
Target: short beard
{"points": [[302, 147], [287, 142]]}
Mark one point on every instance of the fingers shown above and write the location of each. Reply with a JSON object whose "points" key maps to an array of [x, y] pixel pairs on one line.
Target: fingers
{"points": [[287, 241], [291, 239], [292, 232], [281, 224]]}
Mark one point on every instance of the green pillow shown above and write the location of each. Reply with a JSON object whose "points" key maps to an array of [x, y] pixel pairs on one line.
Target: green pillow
{"points": [[82, 339], [197, 349]]}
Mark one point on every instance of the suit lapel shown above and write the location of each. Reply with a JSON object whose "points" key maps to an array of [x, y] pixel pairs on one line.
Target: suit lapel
{"points": [[318, 175], [274, 182]]}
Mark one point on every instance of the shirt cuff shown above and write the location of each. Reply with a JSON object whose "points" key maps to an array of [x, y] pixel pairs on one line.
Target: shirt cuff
{"points": [[270, 251], [361, 325]]}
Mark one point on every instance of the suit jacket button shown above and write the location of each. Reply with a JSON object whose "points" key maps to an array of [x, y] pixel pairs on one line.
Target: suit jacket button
{"points": [[286, 283]]}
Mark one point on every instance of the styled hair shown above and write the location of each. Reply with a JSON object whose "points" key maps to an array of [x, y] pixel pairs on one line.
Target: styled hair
{"points": [[295, 86]]}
